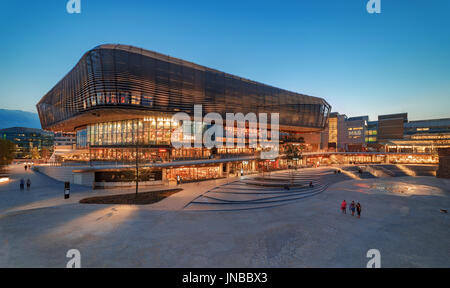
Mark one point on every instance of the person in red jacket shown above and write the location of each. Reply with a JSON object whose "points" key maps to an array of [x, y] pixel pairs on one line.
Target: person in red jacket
{"points": [[344, 207]]}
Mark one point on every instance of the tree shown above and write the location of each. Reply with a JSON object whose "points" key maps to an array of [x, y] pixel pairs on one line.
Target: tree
{"points": [[293, 151], [45, 153], [7, 149], [35, 153]]}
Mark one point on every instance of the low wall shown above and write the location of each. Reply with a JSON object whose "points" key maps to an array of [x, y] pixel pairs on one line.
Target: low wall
{"points": [[63, 174], [444, 163], [84, 178], [66, 174]]}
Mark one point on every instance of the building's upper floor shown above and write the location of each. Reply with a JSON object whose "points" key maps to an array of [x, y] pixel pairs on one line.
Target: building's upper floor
{"points": [[27, 140], [22, 134], [427, 126], [118, 82]]}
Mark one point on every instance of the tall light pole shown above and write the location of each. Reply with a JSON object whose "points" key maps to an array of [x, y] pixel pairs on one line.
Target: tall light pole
{"points": [[90, 159], [137, 157]]}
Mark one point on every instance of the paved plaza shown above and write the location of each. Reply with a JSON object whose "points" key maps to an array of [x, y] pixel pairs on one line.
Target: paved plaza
{"points": [[232, 223]]}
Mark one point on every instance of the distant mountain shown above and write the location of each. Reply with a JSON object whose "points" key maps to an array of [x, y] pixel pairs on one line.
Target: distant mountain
{"points": [[17, 118]]}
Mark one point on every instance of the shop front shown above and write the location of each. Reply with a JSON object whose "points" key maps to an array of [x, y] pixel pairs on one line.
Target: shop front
{"points": [[193, 173], [269, 165]]}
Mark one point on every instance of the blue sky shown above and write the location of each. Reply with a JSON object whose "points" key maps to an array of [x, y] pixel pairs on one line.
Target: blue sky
{"points": [[362, 64]]}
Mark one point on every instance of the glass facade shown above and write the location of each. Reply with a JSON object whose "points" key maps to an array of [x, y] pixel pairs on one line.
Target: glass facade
{"points": [[188, 174], [434, 126], [82, 139], [372, 132], [155, 131], [371, 136], [28, 140], [151, 131]]}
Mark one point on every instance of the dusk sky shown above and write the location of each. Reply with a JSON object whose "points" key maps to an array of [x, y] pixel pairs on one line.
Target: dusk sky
{"points": [[361, 63]]}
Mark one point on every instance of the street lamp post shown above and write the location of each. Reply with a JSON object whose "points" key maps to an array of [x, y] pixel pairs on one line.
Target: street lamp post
{"points": [[90, 157], [137, 157]]}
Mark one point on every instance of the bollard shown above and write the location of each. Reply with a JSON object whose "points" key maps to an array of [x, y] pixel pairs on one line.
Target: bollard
{"points": [[66, 190]]}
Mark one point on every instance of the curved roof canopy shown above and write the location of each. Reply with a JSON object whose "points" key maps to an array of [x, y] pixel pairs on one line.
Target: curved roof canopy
{"points": [[113, 82]]}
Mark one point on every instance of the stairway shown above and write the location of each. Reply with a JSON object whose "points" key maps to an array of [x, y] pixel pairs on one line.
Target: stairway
{"points": [[257, 192]]}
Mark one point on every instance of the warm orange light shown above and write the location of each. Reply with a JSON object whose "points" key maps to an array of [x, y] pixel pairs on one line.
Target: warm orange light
{"points": [[406, 170], [349, 174]]}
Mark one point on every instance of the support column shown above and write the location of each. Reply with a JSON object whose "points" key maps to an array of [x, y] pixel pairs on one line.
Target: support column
{"points": [[228, 169], [164, 176], [221, 170]]}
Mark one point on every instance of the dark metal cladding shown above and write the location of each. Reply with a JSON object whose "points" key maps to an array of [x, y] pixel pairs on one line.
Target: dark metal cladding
{"points": [[112, 77]]}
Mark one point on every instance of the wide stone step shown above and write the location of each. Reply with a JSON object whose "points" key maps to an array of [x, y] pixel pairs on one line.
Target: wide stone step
{"points": [[236, 206], [261, 190], [240, 197]]}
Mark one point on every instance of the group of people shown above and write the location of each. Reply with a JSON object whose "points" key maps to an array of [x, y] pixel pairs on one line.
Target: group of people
{"points": [[22, 184], [352, 207], [22, 181]]}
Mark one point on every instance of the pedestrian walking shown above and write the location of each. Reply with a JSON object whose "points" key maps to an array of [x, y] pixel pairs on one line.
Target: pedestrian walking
{"points": [[358, 210], [311, 184], [28, 184], [22, 184], [353, 207], [344, 207]]}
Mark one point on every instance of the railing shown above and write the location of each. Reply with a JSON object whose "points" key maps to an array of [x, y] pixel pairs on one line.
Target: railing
{"points": [[75, 163]]}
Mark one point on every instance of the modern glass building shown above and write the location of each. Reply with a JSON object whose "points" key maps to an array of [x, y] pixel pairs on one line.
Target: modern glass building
{"points": [[118, 97], [114, 79], [391, 126], [29, 142], [372, 132], [433, 126]]}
